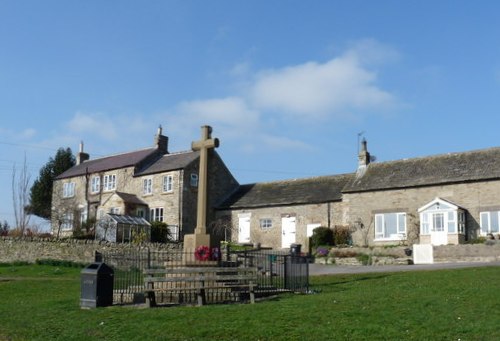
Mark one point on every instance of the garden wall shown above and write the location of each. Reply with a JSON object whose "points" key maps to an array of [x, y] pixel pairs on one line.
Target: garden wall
{"points": [[81, 251]]}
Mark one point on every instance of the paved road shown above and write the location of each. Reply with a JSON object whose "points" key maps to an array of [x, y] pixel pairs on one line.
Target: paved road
{"points": [[321, 269]]}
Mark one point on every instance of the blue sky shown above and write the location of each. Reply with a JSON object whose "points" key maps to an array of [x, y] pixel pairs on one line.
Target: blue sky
{"points": [[286, 85]]}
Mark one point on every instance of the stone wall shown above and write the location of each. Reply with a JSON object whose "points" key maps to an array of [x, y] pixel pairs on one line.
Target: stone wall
{"points": [[325, 214], [473, 197], [81, 251]]}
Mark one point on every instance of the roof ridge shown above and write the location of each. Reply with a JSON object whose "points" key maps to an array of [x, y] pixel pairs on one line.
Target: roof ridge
{"points": [[311, 178], [436, 156], [119, 154]]}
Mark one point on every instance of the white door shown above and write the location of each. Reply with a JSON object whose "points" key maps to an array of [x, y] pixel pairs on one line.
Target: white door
{"points": [[439, 235], [287, 231], [244, 230]]}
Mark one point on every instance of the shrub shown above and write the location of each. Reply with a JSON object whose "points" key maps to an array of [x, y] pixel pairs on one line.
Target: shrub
{"points": [[342, 235], [322, 236], [159, 232], [479, 240]]}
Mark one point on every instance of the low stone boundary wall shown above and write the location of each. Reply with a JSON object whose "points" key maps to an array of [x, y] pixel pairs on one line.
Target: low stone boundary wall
{"points": [[81, 251], [487, 252]]}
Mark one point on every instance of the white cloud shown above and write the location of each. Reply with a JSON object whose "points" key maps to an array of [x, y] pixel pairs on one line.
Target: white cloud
{"points": [[268, 104], [319, 90], [94, 123], [28, 133], [232, 119]]}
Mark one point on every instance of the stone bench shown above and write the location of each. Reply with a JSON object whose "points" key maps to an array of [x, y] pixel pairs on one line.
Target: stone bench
{"points": [[199, 280]]}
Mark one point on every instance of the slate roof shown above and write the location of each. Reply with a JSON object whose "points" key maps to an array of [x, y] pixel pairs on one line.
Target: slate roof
{"points": [[169, 162], [289, 192], [109, 163], [478, 165]]}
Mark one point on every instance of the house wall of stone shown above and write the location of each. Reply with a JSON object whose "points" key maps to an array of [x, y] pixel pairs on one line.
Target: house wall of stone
{"points": [[221, 184], [325, 214], [179, 206], [106, 200], [473, 197]]}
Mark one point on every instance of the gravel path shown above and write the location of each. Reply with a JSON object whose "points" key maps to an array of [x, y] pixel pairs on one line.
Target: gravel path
{"points": [[321, 269]]}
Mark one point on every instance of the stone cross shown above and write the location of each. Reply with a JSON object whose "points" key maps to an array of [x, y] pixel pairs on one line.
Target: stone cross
{"points": [[203, 145]]}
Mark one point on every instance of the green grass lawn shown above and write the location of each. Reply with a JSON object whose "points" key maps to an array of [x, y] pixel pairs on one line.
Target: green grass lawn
{"points": [[43, 302]]}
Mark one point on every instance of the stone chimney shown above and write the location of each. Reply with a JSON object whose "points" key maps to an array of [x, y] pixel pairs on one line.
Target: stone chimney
{"points": [[161, 141], [363, 158], [81, 156]]}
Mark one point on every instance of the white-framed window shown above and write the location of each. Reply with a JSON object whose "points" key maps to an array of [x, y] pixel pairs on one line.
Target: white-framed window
{"points": [[95, 184], [266, 223], [109, 182], [173, 230], [390, 226], [147, 186], [490, 222], [69, 190], [193, 181], [67, 222], [156, 214], [168, 183], [114, 210]]}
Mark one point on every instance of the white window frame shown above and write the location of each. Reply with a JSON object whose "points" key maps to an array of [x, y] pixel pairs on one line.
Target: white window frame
{"points": [[266, 223], [68, 189], [67, 223], [95, 184], [147, 186], [380, 226], [174, 232], [109, 182], [485, 217], [193, 180], [168, 183], [114, 210], [156, 214]]}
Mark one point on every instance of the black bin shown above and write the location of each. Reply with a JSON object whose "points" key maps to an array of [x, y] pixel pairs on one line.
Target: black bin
{"points": [[96, 286], [295, 249]]}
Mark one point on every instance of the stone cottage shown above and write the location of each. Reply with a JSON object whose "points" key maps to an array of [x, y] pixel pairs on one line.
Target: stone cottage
{"points": [[278, 214], [441, 199], [151, 183]]}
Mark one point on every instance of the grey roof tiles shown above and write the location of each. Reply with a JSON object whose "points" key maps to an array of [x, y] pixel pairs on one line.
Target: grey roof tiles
{"points": [[478, 165]]}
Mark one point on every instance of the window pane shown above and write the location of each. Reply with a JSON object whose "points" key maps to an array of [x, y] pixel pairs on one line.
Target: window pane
{"points": [[379, 228], [494, 222], [451, 216], [485, 224], [391, 225], [452, 226], [402, 223], [438, 222]]}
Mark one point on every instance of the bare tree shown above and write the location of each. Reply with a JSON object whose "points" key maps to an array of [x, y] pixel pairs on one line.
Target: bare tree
{"points": [[223, 228], [20, 196], [66, 216]]}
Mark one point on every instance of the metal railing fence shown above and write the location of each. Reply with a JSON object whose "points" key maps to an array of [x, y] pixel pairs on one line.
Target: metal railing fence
{"points": [[277, 271]]}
